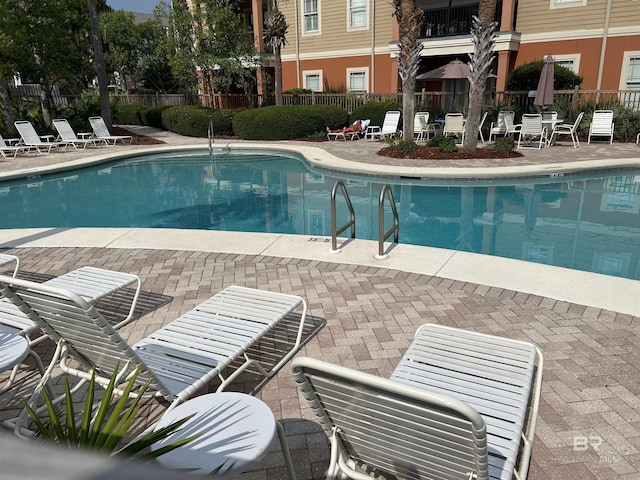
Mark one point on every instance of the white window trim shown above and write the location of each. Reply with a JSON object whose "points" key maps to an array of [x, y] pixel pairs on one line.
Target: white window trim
{"points": [[624, 72], [575, 58], [306, 33], [553, 4], [366, 18], [312, 72], [364, 70]]}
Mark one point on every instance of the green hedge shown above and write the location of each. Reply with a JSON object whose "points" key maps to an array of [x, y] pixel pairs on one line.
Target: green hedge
{"points": [[193, 121], [375, 112], [288, 122], [152, 116], [127, 113]]}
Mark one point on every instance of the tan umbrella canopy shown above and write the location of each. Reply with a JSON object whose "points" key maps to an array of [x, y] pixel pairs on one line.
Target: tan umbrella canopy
{"points": [[544, 94], [453, 70]]}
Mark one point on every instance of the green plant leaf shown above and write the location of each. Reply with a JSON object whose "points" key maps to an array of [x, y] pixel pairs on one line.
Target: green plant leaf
{"points": [[85, 425], [72, 433]]}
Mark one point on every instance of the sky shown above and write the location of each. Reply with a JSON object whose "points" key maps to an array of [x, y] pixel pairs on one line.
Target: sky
{"points": [[139, 6]]}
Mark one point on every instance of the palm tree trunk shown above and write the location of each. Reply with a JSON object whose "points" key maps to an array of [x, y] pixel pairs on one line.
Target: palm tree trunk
{"points": [[482, 33], [101, 71], [277, 67]]}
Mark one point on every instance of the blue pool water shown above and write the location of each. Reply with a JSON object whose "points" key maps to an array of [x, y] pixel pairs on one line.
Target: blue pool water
{"points": [[584, 223]]}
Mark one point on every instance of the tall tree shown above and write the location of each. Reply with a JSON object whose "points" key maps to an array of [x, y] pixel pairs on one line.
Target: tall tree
{"points": [[408, 16], [482, 34], [276, 36], [101, 72]]}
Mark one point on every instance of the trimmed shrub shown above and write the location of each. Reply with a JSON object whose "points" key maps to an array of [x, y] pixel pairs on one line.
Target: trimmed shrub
{"points": [[405, 147], [152, 116], [288, 122], [193, 120], [444, 144], [375, 112], [526, 77], [127, 113], [504, 144]]}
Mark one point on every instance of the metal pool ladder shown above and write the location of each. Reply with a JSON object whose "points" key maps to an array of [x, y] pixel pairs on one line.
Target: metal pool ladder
{"points": [[382, 236], [351, 223], [386, 192]]}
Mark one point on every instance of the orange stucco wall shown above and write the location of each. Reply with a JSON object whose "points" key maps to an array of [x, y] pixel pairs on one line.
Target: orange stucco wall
{"points": [[589, 58], [334, 72]]}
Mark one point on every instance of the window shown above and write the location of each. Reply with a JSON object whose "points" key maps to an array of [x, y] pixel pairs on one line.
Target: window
{"points": [[630, 79], [572, 62], [357, 14], [313, 80], [310, 16], [357, 80], [567, 3], [633, 74]]}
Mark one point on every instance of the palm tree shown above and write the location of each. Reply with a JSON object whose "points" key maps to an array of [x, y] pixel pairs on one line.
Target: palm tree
{"points": [[408, 17], [483, 34], [275, 35]]}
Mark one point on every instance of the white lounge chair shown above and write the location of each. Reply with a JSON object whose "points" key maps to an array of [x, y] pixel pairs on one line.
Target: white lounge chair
{"points": [[601, 125], [422, 129], [481, 124], [353, 135], [454, 125], [67, 134], [502, 123], [91, 283], [30, 138], [101, 132], [460, 404], [14, 150], [7, 259], [530, 130], [389, 127], [177, 360], [570, 129]]}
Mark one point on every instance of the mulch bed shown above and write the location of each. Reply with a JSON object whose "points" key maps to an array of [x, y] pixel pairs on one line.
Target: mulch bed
{"points": [[135, 138], [433, 153]]}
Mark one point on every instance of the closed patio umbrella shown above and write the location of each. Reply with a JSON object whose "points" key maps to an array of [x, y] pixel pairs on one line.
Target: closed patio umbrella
{"points": [[544, 94]]}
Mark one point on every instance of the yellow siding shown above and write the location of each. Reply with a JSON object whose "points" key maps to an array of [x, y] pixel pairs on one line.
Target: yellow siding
{"points": [[625, 14], [334, 35], [536, 16]]}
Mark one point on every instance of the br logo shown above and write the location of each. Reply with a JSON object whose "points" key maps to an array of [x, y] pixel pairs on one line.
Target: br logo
{"points": [[583, 443]]}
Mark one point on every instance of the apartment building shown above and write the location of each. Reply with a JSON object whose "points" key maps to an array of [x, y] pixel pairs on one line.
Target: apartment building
{"points": [[350, 45]]}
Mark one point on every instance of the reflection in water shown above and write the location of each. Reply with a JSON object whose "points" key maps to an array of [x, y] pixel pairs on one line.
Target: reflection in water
{"points": [[586, 223]]}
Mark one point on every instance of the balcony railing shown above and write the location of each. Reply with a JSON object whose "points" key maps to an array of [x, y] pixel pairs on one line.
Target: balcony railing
{"points": [[443, 22]]}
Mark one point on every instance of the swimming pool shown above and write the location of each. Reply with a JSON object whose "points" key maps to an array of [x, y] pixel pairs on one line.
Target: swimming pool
{"points": [[589, 223]]}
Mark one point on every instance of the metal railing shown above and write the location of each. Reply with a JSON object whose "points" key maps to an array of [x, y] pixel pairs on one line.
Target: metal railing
{"points": [[382, 236], [351, 223]]}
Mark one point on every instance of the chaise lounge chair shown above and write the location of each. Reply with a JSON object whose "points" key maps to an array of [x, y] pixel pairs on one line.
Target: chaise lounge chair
{"points": [[389, 127], [459, 405], [101, 132], [454, 124], [501, 126], [67, 134], [178, 359], [14, 150], [353, 135], [30, 138]]}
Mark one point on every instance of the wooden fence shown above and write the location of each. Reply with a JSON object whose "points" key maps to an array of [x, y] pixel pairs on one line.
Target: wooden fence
{"points": [[442, 101]]}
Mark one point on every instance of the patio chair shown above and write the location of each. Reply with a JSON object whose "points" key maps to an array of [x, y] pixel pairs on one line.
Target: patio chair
{"points": [[7, 259], [481, 124], [570, 129], [460, 404], [30, 138], [177, 360], [530, 130], [502, 123], [422, 129], [389, 127], [14, 150], [454, 125], [66, 133], [601, 125], [91, 283], [100, 131], [352, 134]]}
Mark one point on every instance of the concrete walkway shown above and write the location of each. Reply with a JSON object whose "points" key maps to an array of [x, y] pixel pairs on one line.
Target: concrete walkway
{"points": [[364, 313]]}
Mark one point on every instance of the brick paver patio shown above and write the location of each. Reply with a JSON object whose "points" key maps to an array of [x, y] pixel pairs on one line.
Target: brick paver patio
{"points": [[364, 317]]}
